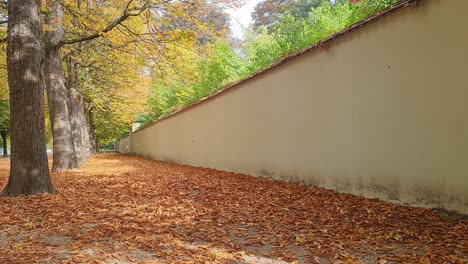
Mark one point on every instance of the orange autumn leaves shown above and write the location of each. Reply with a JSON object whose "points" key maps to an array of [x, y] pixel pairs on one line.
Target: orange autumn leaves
{"points": [[122, 209]]}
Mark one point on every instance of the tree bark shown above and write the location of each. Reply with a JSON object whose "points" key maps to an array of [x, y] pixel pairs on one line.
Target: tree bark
{"points": [[29, 173], [91, 139], [64, 153], [75, 102], [85, 137], [93, 142], [4, 134]]}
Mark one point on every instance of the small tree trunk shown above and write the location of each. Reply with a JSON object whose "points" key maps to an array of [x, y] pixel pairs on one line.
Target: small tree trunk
{"points": [[64, 153], [85, 136], [87, 129], [92, 133], [29, 173], [4, 134]]}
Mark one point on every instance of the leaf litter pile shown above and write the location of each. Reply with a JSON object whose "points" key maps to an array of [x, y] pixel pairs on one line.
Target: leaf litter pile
{"points": [[123, 209]]}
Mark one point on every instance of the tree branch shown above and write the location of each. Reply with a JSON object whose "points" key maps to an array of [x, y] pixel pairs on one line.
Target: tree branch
{"points": [[128, 12]]}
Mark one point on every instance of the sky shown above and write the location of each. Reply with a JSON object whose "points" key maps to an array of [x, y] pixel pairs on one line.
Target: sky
{"points": [[241, 18]]}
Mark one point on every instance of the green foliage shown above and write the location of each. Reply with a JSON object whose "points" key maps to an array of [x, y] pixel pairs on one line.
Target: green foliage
{"points": [[4, 115], [261, 50], [4, 101], [444, 217], [192, 76], [218, 70], [295, 33]]}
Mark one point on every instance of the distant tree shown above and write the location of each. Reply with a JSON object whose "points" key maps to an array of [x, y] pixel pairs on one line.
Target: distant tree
{"points": [[29, 173], [4, 103], [4, 121], [207, 20], [269, 13]]}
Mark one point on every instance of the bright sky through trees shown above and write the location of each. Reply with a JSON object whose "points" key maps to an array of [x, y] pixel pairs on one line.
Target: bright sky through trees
{"points": [[241, 17]]}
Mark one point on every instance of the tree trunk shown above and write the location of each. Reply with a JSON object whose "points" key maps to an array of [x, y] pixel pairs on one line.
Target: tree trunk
{"points": [[4, 134], [75, 100], [85, 137], [88, 127], [92, 133], [29, 173], [64, 153]]}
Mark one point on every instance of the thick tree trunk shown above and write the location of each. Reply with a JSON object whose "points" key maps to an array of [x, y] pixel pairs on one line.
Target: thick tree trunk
{"points": [[64, 153], [29, 173], [4, 134]]}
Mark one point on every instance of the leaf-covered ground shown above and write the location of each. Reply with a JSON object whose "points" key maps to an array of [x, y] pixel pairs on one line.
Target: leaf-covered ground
{"points": [[121, 209]]}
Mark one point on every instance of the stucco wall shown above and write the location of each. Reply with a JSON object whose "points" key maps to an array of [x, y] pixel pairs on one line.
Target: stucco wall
{"points": [[383, 113], [124, 145]]}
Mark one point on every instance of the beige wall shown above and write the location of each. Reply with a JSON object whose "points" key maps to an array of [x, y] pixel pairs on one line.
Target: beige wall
{"points": [[124, 145], [383, 114]]}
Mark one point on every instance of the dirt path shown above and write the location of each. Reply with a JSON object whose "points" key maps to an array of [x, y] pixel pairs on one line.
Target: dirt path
{"points": [[121, 209]]}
